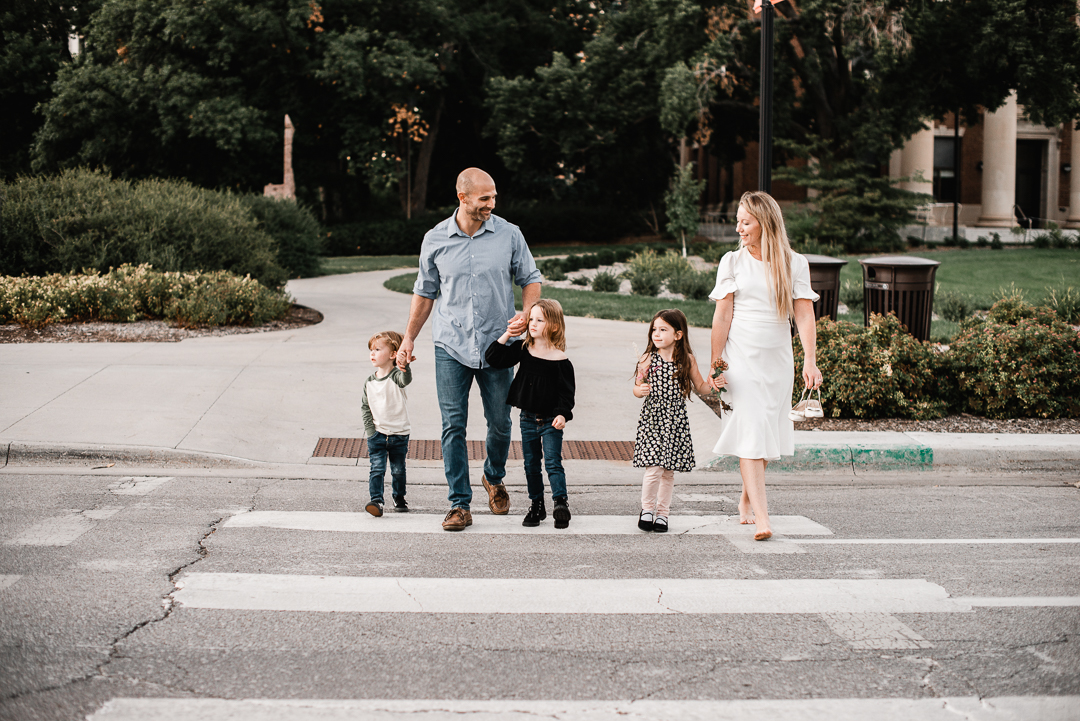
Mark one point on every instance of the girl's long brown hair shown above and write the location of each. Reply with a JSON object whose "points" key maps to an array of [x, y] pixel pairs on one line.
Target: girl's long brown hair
{"points": [[677, 320], [556, 324], [775, 248]]}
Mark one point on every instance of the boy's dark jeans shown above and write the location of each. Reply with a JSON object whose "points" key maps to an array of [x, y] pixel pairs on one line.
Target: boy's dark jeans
{"points": [[380, 447], [539, 438]]}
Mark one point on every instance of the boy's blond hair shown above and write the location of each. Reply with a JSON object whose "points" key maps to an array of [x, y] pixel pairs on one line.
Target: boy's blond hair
{"points": [[392, 337]]}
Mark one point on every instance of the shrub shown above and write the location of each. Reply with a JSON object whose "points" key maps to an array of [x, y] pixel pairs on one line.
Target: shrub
{"points": [[953, 306], [84, 219], [571, 263], [713, 252], [590, 260], [552, 270], [876, 372], [605, 256], [297, 235], [1042, 241], [693, 285], [580, 280], [1065, 301], [645, 282], [852, 294], [995, 242], [982, 241], [129, 293], [624, 254], [1021, 362], [605, 283], [914, 241]]}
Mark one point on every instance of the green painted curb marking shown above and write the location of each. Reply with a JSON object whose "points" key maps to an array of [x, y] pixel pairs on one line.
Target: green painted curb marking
{"points": [[807, 457]]}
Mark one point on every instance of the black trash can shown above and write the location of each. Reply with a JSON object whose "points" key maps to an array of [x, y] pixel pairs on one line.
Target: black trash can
{"points": [[902, 285], [825, 280]]}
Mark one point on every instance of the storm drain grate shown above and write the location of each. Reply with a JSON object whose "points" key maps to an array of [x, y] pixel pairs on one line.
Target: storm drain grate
{"points": [[432, 450]]}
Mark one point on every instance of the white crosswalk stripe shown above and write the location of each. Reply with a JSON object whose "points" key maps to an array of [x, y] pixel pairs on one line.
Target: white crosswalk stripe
{"points": [[1043, 708], [349, 594], [137, 485], [348, 522], [63, 530]]}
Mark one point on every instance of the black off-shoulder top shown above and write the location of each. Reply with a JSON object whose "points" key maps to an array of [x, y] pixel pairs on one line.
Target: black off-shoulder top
{"points": [[543, 387]]}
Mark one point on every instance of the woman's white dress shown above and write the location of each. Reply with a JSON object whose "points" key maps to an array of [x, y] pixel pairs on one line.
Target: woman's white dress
{"points": [[761, 371]]}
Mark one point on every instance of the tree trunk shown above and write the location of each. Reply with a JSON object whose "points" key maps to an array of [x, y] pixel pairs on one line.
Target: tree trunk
{"points": [[423, 164]]}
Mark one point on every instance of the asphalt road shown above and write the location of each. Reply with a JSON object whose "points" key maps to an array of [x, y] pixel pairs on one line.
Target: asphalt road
{"points": [[100, 600]]}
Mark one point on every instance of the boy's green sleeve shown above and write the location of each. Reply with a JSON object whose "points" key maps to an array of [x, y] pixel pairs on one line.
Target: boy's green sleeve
{"points": [[369, 420], [402, 378]]}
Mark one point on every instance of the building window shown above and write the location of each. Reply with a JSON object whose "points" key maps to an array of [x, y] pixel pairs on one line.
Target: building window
{"points": [[944, 173]]}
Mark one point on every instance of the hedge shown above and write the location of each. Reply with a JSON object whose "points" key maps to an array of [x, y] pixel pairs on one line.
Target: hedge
{"points": [[1020, 361], [85, 219]]}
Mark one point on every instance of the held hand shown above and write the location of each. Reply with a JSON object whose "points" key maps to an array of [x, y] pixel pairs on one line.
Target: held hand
{"points": [[518, 324], [642, 389], [717, 383], [558, 423], [811, 375], [404, 355]]}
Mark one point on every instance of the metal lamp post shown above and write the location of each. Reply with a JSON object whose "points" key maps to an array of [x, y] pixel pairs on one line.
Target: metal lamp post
{"points": [[765, 121]]}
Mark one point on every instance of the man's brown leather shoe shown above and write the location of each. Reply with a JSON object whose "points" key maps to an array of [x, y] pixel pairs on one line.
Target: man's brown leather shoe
{"points": [[457, 519], [498, 498]]}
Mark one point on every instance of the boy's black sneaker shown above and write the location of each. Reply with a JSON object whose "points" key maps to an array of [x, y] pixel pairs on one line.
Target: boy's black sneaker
{"points": [[374, 508], [400, 505], [561, 512], [536, 513]]}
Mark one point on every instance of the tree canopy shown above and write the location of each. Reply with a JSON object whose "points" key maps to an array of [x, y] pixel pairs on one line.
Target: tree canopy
{"points": [[585, 100]]}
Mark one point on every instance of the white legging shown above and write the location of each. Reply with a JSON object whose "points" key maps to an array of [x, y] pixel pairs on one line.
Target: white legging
{"points": [[656, 488]]}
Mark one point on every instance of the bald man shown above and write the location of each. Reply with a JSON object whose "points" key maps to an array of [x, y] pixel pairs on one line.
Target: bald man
{"points": [[469, 264]]}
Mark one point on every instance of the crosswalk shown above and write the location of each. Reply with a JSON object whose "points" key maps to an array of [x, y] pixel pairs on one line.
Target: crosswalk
{"points": [[862, 614]]}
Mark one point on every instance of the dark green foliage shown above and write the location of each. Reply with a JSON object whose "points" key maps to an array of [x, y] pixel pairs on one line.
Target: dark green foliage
{"points": [[876, 372], [605, 256], [954, 307], [130, 293], [1065, 301], [852, 294], [995, 242], [605, 283], [982, 241], [645, 282], [694, 285], [297, 235], [83, 219], [1022, 361], [554, 223], [379, 237], [856, 208], [580, 280]]}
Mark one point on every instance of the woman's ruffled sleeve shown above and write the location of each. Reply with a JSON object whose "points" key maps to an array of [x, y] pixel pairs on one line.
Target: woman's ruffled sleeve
{"points": [[800, 278], [725, 278]]}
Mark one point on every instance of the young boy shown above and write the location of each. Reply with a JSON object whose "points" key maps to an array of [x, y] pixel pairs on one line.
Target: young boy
{"points": [[386, 421]]}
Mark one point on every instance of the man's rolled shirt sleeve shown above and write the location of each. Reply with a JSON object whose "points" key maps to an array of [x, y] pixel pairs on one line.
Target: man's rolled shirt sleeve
{"points": [[427, 280]]}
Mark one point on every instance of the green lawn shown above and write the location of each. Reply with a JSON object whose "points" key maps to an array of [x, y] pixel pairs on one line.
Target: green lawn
{"points": [[587, 304], [362, 263], [980, 272], [976, 272]]}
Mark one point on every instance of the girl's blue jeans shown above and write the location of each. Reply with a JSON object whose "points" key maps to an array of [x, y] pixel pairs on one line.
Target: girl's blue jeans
{"points": [[381, 448], [540, 439]]}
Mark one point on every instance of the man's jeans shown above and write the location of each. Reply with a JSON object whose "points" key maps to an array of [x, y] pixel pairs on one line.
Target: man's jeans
{"points": [[453, 381], [380, 447], [538, 437]]}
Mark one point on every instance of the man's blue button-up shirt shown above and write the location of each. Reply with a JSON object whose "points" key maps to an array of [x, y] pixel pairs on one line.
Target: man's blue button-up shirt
{"points": [[471, 280]]}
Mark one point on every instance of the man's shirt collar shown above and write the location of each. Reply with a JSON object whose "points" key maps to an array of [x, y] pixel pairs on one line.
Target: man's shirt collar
{"points": [[452, 228]]}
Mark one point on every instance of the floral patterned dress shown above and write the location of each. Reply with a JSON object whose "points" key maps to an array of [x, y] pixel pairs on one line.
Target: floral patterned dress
{"points": [[663, 432]]}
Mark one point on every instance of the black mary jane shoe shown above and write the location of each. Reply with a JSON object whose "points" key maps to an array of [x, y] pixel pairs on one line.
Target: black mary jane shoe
{"points": [[660, 524], [645, 521]]}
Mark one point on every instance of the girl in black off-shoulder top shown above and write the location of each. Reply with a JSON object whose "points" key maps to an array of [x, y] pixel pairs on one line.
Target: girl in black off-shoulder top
{"points": [[543, 389]]}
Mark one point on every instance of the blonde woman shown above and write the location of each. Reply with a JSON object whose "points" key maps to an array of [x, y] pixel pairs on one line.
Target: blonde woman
{"points": [[759, 288]]}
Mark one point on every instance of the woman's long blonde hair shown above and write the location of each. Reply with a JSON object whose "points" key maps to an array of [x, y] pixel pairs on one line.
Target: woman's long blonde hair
{"points": [[775, 248], [556, 324]]}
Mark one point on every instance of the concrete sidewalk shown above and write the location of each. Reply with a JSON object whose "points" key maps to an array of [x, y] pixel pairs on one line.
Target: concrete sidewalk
{"points": [[267, 398]]}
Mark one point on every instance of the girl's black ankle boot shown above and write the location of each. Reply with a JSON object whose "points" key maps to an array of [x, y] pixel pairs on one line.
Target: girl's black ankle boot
{"points": [[560, 512], [536, 513]]}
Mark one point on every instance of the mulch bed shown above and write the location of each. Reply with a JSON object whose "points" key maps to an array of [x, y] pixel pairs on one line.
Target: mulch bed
{"points": [[962, 423], [147, 331]]}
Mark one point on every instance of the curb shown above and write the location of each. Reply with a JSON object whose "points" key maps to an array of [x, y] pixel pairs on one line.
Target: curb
{"points": [[920, 452], [22, 453]]}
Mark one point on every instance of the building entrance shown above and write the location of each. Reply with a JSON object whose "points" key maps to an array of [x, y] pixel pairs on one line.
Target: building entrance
{"points": [[1029, 182]]}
